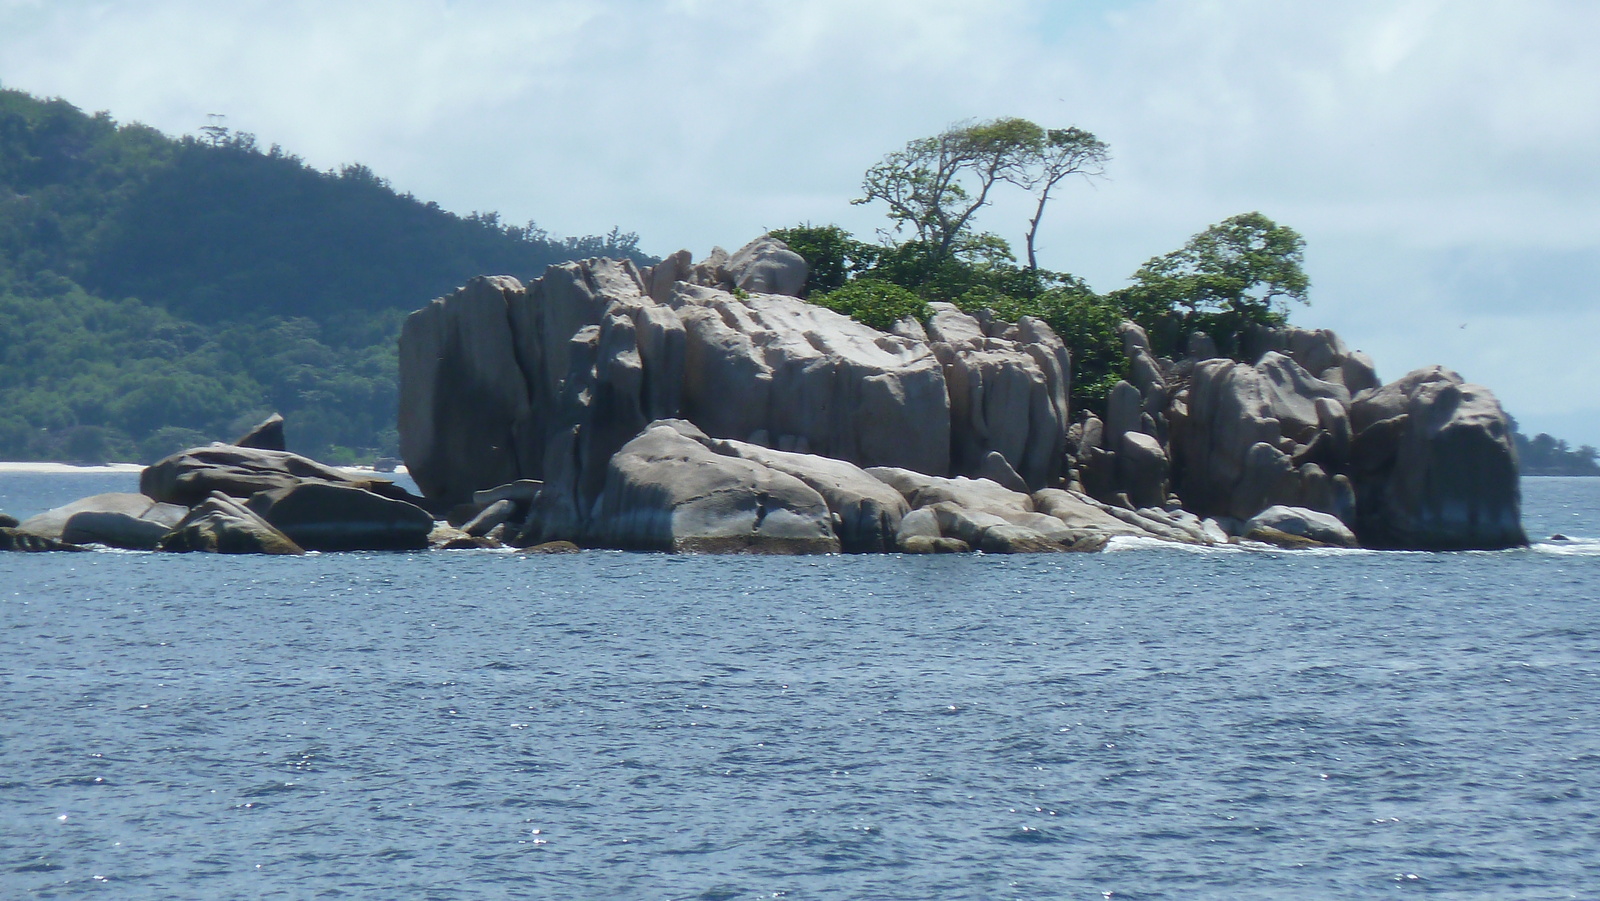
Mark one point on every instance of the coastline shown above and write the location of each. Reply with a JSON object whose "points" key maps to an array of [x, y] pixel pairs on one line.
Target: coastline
{"points": [[38, 467]]}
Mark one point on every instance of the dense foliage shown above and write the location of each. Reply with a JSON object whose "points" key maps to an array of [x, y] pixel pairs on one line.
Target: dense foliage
{"points": [[155, 292], [1233, 275]]}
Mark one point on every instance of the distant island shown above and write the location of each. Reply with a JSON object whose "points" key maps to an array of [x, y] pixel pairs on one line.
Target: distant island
{"points": [[1543, 455]]}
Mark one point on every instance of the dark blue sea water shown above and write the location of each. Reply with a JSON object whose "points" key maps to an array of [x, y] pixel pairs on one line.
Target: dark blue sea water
{"points": [[1151, 722]]}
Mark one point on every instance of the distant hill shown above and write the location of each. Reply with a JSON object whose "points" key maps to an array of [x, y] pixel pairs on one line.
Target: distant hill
{"points": [[158, 292]]}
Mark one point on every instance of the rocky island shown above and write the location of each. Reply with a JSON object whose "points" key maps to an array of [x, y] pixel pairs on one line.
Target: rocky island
{"points": [[705, 407]]}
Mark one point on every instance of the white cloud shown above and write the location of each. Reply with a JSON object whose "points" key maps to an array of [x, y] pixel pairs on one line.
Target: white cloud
{"points": [[1437, 155]]}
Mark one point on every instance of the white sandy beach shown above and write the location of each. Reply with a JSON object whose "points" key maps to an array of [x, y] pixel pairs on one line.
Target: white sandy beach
{"points": [[69, 467]]}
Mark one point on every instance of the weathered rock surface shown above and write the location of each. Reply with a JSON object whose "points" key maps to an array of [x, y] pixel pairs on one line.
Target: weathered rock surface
{"points": [[53, 523], [811, 379], [462, 392], [666, 491], [866, 512], [267, 435], [190, 477], [221, 525], [1242, 428], [1323, 528], [1434, 466], [122, 530], [766, 266], [14, 539], [1008, 386], [321, 517], [7, 521]]}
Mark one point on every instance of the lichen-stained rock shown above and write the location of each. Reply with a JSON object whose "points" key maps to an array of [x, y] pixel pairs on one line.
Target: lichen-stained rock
{"points": [[1434, 466], [1003, 397], [667, 491], [188, 477], [322, 517], [462, 392], [795, 371], [221, 525], [866, 512]]}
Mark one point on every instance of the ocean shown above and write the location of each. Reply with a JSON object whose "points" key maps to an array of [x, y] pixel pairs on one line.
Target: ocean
{"points": [[1149, 722]]}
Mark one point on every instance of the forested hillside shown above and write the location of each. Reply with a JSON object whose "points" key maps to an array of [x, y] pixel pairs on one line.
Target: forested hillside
{"points": [[158, 292]]}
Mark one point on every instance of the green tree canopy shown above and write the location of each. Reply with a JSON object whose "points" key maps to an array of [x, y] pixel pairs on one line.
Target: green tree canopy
{"points": [[1240, 272]]}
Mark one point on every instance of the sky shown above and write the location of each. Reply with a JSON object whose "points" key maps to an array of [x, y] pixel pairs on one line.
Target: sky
{"points": [[1441, 157]]}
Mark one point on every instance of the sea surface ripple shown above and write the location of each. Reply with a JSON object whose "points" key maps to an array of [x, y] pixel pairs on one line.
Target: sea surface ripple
{"points": [[1146, 723]]}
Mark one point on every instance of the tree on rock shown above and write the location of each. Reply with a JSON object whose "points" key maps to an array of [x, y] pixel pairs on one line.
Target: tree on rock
{"points": [[1051, 157], [936, 185], [1240, 272]]}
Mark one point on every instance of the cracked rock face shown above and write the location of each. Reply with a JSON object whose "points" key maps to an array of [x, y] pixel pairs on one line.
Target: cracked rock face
{"points": [[504, 381], [1434, 465]]}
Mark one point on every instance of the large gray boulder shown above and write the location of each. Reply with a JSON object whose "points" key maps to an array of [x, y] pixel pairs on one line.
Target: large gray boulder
{"points": [[866, 512], [1322, 528], [667, 491], [191, 476], [53, 523], [219, 524], [462, 392], [1008, 386], [1434, 466], [811, 380], [322, 517], [1243, 434], [767, 266], [122, 529]]}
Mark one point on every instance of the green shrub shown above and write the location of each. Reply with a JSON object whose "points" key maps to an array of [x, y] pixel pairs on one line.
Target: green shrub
{"points": [[873, 302]]}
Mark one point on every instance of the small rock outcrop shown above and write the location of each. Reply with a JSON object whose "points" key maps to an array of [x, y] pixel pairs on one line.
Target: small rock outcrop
{"points": [[1322, 528], [267, 435], [189, 477], [13, 539]]}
